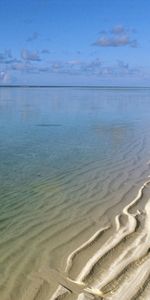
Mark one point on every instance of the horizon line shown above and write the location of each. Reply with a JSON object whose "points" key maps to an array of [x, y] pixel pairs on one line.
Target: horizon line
{"points": [[69, 86]]}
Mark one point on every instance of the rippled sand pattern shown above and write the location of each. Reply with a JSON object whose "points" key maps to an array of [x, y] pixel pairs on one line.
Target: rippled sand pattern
{"points": [[127, 275], [81, 230]]}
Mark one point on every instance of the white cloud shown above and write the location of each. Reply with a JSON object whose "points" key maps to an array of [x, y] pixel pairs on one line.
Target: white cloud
{"points": [[29, 55], [4, 77], [93, 67], [119, 36], [119, 29], [122, 40]]}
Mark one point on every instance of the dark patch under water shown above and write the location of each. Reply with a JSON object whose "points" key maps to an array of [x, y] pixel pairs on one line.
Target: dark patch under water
{"points": [[48, 125]]}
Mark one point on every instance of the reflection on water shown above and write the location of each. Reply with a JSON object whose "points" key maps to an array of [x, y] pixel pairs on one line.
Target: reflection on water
{"points": [[66, 156]]}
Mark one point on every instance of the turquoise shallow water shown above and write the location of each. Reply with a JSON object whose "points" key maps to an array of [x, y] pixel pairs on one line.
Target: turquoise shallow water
{"points": [[66, 156]]}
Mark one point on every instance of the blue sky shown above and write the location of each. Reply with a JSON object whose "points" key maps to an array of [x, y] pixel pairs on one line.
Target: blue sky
{"points": [[75, 42]]}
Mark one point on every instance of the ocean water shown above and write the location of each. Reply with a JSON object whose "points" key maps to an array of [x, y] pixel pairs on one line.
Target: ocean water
{"points": [[70, 160]]}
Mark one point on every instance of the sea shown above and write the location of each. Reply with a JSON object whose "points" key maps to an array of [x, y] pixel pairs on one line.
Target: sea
{"points": [[71, 158]]}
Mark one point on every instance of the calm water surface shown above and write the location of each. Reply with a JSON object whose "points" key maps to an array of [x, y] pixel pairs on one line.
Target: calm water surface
{"points": [[70, 158]]}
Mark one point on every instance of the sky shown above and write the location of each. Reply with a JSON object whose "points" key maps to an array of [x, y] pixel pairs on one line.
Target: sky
{"points": [[75, 42]]}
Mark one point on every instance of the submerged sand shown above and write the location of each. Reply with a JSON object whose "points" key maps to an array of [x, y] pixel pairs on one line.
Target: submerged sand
{"points": [[74, 209], [119, 269], [99, 250]]}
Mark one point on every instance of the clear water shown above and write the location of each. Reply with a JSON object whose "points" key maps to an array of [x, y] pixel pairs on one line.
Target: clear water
{"points": [[69, 158]]}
